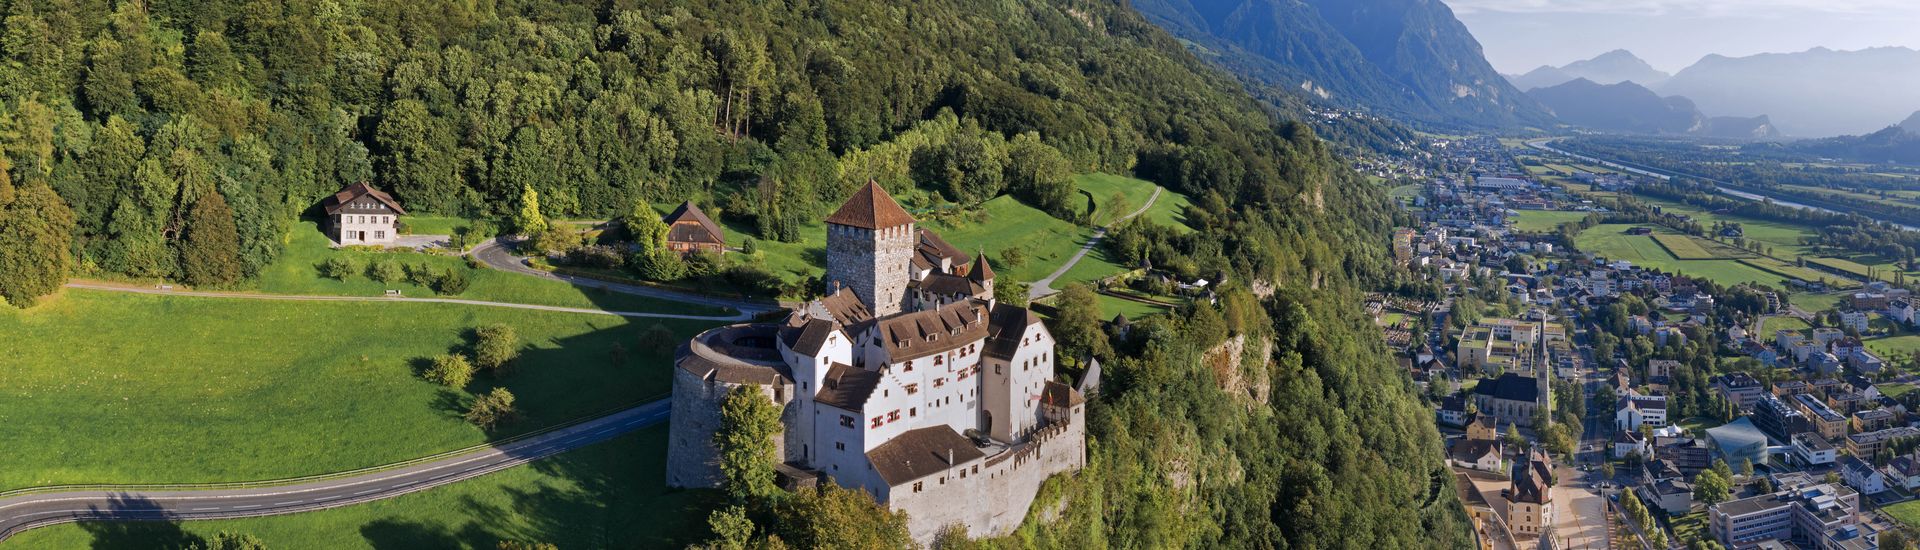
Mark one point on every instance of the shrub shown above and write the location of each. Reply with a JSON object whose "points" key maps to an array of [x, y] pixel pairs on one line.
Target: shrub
{"points": [[749, 246], [339, 268], [451, 370], [422, 274], [597, 255], [660, 265], [755, 279], [1013, 256], [552, 241], [387, 271], [495, 346], [452, 283], [491, 409], [703, 263]]}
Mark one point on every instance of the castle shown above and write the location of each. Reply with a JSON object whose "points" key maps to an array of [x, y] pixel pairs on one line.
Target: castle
{"points": [[907, 380]]}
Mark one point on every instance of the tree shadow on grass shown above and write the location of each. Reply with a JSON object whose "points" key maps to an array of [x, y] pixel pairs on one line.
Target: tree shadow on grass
{"points": [[396, 534], [137, 523]]}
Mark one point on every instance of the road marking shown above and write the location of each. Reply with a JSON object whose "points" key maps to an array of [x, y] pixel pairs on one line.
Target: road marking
{"points": [[287, 503], [246, 506], [324, 499], [207, 508]]}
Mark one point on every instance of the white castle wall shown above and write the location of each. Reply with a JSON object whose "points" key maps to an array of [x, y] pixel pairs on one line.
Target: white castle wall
{"points": [[994, 501]]}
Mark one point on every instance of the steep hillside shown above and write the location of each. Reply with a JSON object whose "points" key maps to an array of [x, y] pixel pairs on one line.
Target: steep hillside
{"points": [[1612, 67], [1911, 124], [170, 127], [1629, 107], [1815, 93], [1411, 58]]}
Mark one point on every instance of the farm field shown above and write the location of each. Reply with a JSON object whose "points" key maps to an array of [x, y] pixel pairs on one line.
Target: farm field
{"points": [[296, 272], [1806, 274], [1541, 221], [1100, 188], [1683, 247], [1611, 241], [183, 390], [585, 498], [1849, 266]]}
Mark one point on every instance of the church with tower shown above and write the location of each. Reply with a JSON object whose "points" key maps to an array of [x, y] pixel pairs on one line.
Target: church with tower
{"points": [[907, 380]]}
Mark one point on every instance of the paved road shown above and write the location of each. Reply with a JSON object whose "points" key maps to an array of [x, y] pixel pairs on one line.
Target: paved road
{"points": [[20, 513], [301, 298], [495, 254], [1043, 287]]}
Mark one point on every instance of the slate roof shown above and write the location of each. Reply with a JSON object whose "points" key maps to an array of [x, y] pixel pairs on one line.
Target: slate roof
{"points": [[339, 200], [1060, 395], [921, 453], [950, 285], [1510, 386], [847, 387], [806, 338], [931, 247], [1007, 324], [980, 272], [704, 230], [870, 208]]}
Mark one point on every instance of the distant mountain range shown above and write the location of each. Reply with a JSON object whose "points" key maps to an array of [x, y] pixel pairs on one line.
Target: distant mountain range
{"points": [[1612, 67], [1899, 143], [1630, 107], [1818, 92], [1406, 58], [1912, 124]]}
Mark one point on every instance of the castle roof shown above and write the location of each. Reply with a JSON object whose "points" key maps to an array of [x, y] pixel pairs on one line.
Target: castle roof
{"points": [[932, 248], [807, 336], [870, 208], [950, 285], [923, 333], [339, 200], [847, 387], [703, 230], [980, 273], [843, 306], [1007, 323], [1060, 395], [921, 453]]}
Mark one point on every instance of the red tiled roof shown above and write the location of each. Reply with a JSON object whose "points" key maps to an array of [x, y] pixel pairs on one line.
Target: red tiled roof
{"points": [[870, 208]]}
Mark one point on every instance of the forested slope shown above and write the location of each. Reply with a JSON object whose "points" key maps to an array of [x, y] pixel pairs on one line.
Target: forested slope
{"points": [[185, 133]]}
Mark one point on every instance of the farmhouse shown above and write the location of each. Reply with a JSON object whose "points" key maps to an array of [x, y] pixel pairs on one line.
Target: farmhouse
{"points": [[922, 390], [690, 230], [360, 214]]}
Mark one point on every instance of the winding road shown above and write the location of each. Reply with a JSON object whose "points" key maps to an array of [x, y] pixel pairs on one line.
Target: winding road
{"points": [[1044, 287], [25, 509], [40, 508]]}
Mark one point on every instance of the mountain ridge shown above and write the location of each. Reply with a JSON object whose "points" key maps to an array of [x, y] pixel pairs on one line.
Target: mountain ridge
{"points": [[1630, 107], [1812, 93], [1612, 67]]}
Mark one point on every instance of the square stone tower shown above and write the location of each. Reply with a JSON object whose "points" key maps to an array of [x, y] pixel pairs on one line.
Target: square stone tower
{"points": [[870, 242]]}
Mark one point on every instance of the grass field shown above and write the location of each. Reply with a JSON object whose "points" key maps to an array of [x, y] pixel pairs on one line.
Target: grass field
{"points": [[1683, 247], [594, 497], [1850, 266], [1611, 241], [1895, 348], [1805, 274], [1815, 301], [1894, 389], [1542, 221], [1170, 210], [1100, 188], [1906, 512], [157, 389], [1110, 306], [296, 272], [1773, 324], [1004, 223]]}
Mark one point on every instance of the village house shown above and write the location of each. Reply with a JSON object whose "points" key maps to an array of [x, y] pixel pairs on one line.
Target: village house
{"points": [[362, 215], [689, 230]]}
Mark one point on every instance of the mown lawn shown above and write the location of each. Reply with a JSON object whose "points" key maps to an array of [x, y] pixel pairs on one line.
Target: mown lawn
{"points": [[1816, 302], [1045, 242], [104, 387], [297, 271], [1101, 187], [610, 495], [1906, 512], [1772, 324], [1110, 306], [1542, 221], [1895, 348]]}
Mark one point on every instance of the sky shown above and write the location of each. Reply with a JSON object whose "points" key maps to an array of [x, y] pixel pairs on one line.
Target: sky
{"points": [[1519, 35]]}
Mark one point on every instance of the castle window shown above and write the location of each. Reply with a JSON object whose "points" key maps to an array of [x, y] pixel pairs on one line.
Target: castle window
{"points": [[938, 382], [846, 421], [879, 421], [936, 361], [839, 446], [916, 486], [908, 365], [913, 412], [914, 388], [893, 416]]}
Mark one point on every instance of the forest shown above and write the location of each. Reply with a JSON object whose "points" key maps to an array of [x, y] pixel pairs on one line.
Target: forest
{"points": [[180, 140]]}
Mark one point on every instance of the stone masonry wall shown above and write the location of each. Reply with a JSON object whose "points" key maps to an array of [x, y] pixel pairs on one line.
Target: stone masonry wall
{"points": [[995, 501], [873, 264], [692, 459]]}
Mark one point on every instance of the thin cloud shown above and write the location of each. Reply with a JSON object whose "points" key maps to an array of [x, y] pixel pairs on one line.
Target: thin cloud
{"points": [[1695, 8]]}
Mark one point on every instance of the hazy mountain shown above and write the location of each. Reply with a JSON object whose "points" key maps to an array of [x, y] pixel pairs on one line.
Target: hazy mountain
{"points": [[1608, 68], [1818, 92], [1912, 124], [1630, 107], [1408, 58]]}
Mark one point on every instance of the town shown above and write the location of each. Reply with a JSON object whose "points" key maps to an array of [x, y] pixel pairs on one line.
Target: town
{"points": [[1613, 370]]}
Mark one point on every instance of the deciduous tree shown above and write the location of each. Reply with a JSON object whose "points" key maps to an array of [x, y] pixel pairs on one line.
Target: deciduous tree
{"points": [[210, 249], [748, 423]]}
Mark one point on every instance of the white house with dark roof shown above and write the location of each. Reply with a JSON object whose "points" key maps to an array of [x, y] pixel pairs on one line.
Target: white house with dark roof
{"points": [[908, 380], [362, 215]]}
